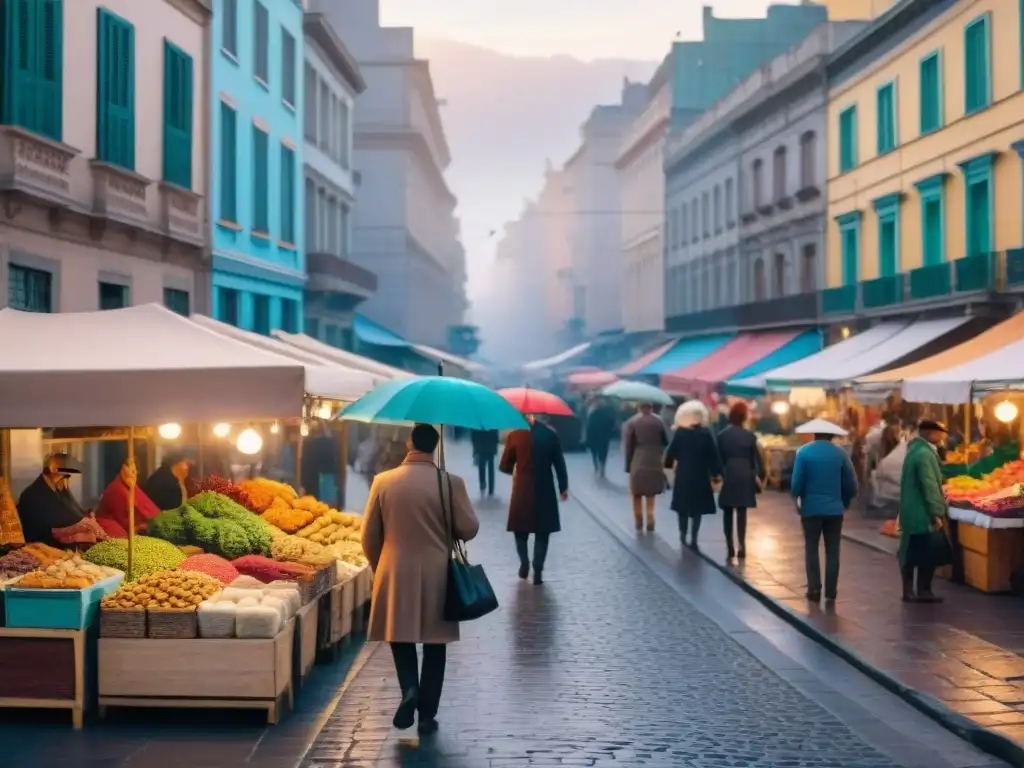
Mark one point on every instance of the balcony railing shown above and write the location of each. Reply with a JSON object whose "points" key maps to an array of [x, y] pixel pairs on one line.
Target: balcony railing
{"points": [[329, 265]]}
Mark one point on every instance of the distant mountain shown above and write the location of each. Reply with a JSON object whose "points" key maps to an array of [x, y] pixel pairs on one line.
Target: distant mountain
{"points": [[503, 116]]}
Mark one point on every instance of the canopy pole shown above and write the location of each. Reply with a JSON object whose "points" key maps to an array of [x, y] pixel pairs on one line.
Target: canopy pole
{"points": [[440, 442], [967, 421], [298, 461], [131, 501], [202, 453], [342, 464]]}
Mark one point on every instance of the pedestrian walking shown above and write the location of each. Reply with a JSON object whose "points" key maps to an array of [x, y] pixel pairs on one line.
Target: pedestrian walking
{"points": [[743, 478], [485, 449], [535, 460], [644, 439], [406, 539], [923, 543], [599, 431], [824, 484], [698, 468]]}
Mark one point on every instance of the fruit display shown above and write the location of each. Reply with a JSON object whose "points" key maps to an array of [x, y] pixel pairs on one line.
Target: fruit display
{"points": [[150, 556], [212, 565], [295, 549], [70, 573], [224, 487], [11, 533], [965, 490], [294, 514], [332, 528], [968, 453], [164, 590], [17, 563], [46, 555], [263, 492]]}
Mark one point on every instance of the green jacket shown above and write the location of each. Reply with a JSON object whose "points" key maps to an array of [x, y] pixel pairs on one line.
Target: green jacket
{"points": [[921, 497]]}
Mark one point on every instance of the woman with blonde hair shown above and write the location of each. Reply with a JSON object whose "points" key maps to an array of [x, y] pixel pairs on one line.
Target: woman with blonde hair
{"points": [[693, 454]]}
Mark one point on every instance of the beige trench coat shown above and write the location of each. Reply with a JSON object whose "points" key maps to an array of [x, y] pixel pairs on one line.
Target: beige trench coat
{"points": [[404, 539]]}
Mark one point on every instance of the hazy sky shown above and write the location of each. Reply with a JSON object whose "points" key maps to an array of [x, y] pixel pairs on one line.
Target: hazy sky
{"points": [[583, 28]]}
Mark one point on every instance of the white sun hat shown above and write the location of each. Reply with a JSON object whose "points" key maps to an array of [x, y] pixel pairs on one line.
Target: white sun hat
{"points": [[821, 427]]}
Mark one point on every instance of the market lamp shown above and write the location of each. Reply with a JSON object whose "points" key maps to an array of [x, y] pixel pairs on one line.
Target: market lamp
{"points": [[324, 411], [1006, 412], [249, 442], [221, 430], [780, 407], [304, 429], [275, 428], [169, 431]]}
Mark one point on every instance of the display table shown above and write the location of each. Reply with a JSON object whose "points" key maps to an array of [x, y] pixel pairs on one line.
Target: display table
{"points": [[198, 674], [992, 547], [43, 669], [305, 641]]}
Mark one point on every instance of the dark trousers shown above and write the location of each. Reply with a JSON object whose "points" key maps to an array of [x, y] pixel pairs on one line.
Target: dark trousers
{"points": [[924, 578], [485, 471], [599, 455], [829, 528], [741, 526], [540, 550], [689, 523], [429, 681]]}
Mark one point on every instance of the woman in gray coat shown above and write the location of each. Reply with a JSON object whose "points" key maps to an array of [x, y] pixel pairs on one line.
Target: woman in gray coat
{"points": [[644, 439], [744, 477]]}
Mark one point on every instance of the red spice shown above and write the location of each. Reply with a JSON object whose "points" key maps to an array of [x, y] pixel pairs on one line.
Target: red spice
{"points": [[212, 565], [225, 487]]}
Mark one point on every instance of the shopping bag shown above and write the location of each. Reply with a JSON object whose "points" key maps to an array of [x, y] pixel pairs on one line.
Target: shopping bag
{"points": [[469, 594], [939, 550]]}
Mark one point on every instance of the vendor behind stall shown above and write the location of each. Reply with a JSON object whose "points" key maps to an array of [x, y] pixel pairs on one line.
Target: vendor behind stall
{"points": [[112, 512], [47, 504], [166, 487]]}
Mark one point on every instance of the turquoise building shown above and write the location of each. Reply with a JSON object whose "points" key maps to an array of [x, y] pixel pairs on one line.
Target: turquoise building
{"points": [[258, 267]]}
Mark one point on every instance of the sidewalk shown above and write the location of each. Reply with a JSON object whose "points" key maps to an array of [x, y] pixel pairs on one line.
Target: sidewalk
{"points": [[964, 653]]}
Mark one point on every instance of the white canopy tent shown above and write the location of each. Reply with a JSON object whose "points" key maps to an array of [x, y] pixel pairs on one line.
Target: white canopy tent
{"points": [[559, 359], [331, 354], [135, 366], [440, 356], [997, 370], [324, 379]]}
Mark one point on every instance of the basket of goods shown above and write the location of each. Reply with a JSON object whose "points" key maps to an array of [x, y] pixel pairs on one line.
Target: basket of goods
{"points": [[216, 618], [169, 599], [65, 594], [118, 621], [150, 556], [11, 534]]}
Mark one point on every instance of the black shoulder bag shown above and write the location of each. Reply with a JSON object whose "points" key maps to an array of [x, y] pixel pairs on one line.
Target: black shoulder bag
{"points": [[469, 594]]}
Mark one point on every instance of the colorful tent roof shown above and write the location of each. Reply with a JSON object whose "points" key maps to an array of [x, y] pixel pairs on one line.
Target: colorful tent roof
{"points": [[368, 331], [560, 359], [646, 359], [700, 377], [685, 353], [1001, 369], [806, 344]]}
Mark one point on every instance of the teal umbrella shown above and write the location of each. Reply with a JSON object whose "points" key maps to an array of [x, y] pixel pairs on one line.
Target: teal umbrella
{"points": [[436, 400], [636, 392]]}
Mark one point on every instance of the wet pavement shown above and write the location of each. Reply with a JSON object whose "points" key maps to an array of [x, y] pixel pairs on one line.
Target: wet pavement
{"points": [[963, 652]]}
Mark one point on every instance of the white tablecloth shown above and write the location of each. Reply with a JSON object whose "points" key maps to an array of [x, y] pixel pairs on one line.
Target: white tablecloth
{"points": [[982, 520]]}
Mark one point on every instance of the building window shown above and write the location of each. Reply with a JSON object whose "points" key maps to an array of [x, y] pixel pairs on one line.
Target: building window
{"points": [[229, 27], [290, 316], [849, 233], [779, 173], [178, 301], [177, 116], [33, 70], [888, 211], [331, 335], [288, 195], [673, 230], [309, 106], [757, 178], [260, 181], [228, 164], [848, 139], [227, 299], [30, 290], [344, 230], [977, 65], [113, 296], [808, 149], [312, 242], [683, 221], [321, 217], [808, 269], [759, 281], [933, 219], [779, 276], [261, 314], [345, 131], [288, 68], [325, 117], [885, 102], [718, 209], [730, 212], [312, 327], [261, 43], [931, 92], [705, 215], [694, 221], [978, 186], [115, 91]]}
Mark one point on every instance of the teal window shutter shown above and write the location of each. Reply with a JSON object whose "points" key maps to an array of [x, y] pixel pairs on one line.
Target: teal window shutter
{"points": [[933, 219], [115, 90], [848, 139], [33, 66], [931, 92], [178, 84], [977, 65], [849, 230], [228, 163], [979, 203], [261, 42], [260, 182], [886, 118], [888, 211], [288, 187]]}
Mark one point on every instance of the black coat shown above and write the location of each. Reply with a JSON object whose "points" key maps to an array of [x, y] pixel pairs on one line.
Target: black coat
{"points": [[600, 427], [695, 456], [741, 461], [534, 459], [485, 443]]}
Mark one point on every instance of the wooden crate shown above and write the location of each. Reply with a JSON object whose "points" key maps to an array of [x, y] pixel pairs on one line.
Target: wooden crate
{"points": [[304, 653], [200, 673], [43, 669], [990, 555]]}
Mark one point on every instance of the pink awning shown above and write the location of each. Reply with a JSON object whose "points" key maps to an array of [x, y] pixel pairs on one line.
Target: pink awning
{"points": [[646, 359], [702, 376], [591, 379]]}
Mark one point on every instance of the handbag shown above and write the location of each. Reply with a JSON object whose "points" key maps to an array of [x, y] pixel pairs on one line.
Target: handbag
{"points": [[939, 550], [469, 594]]}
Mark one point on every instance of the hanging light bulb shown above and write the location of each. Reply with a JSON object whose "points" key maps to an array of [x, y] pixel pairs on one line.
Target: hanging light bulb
{"points": [[1006, 412], [845, 332], [221, 430], [249, 442], [275, 428], [780, 407], [304, 429], [324, 411], [169, 431]]}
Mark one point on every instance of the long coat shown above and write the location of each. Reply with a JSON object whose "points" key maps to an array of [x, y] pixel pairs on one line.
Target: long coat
{"points": [[644, 440], [600, 428], [405, 539], [534, 459], [741, 460], [695, 456], [921, 499]]}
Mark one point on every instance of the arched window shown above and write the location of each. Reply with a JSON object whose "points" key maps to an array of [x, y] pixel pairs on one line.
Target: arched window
{"points": [[757, 178], [779, 276], [808, 148], [779, 173], [759, 286]]}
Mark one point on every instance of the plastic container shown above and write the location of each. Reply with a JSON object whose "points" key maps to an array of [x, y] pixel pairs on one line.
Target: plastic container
{"points": [[57, 608]]}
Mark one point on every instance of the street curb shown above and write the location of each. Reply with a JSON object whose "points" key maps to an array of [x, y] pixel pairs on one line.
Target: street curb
{"points": [[983, 738]]}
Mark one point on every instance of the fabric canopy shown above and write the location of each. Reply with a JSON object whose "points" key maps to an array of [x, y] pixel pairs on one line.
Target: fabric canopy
{"points": [[340, 356], [996, 370], [995, 338], [591, 379], [646, 359], [806, 344], [701, 377], [441, 356], [369, 332], [685, 353], [137, 366], [559, 359], [323, 379]]}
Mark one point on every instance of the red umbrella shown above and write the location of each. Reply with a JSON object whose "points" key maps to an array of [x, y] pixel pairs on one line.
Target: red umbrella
{"points": [[536, 401]]}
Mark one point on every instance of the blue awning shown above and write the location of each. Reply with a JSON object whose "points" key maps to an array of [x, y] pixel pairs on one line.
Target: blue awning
{"points": [[686, 352], [804, 345], [370, 332]]}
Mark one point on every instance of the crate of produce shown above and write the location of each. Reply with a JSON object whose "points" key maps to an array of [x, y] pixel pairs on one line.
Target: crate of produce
{"points": [[57, 608], [171, 624], [121, 622]]}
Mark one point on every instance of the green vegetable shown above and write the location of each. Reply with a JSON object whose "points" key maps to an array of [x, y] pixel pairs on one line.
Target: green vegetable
{"points": [[256, 531], [224, 536], [150, 555], [169, 526]]}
